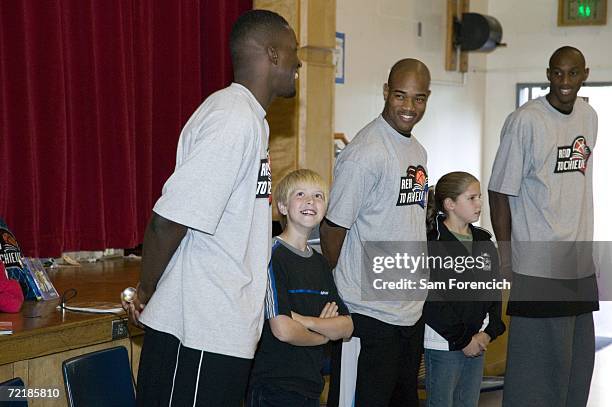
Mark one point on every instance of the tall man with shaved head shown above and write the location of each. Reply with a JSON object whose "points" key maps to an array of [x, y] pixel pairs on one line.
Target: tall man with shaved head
{"points": [[379, 194], [207, 245], [541, 198]]}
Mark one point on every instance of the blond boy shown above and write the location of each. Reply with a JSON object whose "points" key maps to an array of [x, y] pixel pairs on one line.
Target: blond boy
{"points": [[303, 309]]}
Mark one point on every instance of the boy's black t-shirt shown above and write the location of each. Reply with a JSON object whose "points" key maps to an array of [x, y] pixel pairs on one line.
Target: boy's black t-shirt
{"points": [[301, 282]]}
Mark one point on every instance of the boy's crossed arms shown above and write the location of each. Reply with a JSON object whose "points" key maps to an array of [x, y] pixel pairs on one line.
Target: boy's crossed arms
{"points": [[300, 330]]}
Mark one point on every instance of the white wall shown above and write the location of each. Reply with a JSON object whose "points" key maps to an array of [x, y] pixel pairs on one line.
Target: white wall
{"points": [[380, 32], [530, 29]]}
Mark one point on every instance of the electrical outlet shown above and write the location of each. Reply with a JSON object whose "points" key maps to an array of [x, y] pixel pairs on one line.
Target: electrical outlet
{"points": [[120, 329]]}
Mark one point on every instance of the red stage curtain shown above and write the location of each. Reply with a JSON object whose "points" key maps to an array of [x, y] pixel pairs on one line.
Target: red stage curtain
{"points": [[93, 96]]}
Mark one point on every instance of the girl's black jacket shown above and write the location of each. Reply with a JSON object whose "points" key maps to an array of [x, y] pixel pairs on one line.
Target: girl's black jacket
{"points": [[458, 314]]}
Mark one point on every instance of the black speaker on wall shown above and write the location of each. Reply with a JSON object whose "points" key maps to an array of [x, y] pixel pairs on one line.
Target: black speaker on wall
{"points": [[478, 32]]}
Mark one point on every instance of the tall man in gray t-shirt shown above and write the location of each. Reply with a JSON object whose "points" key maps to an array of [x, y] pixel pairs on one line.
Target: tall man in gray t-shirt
{"points": [[380, 194], [207, 245], [541, 198]]}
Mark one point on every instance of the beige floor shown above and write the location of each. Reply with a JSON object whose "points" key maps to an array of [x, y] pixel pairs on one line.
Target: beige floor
{"points": [[601, 386]]}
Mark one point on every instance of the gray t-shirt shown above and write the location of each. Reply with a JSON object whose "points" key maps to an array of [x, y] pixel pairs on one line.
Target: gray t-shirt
{"points": [[211, 294], [380, 194], [543, 163]]}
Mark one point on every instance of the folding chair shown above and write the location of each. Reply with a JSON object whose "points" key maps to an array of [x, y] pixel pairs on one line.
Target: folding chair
{"points": [[101, 378]]}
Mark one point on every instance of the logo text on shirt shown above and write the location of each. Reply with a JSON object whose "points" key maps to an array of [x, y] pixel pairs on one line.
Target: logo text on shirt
{"points": [[264, 181], [573, 158], [413, 187]]}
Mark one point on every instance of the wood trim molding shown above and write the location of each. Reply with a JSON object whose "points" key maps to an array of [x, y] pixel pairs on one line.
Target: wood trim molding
{"points": [[454, 10]]}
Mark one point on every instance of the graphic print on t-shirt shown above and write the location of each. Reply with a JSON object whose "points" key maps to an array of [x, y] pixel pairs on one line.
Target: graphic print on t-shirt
{"points": [[413, 187], [573, 158], [264, 181], [10, 253]]}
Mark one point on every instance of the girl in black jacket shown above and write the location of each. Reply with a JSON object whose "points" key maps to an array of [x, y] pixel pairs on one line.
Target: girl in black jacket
{"points": [[460, 321]]}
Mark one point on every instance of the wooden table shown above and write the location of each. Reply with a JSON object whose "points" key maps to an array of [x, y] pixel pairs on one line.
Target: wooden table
{"points": [[43, 336]]}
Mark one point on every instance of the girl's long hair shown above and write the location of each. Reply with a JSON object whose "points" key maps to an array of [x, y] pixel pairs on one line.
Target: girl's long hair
{"points": [[451, 185]]}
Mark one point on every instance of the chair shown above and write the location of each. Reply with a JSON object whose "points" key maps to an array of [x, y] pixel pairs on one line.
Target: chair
{"points": [[101, 378], [15, 382]]}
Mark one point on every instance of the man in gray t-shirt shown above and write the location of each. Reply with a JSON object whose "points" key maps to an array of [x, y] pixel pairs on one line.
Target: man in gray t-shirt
{"points": [[380, 194], [541, 197], [207, 246]]}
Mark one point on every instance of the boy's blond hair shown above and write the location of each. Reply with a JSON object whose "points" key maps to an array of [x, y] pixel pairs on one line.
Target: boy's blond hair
{"points": [[292, 181]]}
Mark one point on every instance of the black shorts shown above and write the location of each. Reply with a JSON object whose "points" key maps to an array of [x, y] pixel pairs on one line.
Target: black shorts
{"points": [[388, 365], [171, 374], [265, 395]]}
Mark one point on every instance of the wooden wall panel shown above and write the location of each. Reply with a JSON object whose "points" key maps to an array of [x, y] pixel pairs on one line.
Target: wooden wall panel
{"points": [[301, 129], [46, 372], [6, 372], [21, 369], [286, 8], [454, 10], [283, 120], [317, 147], [316, 130], [321, 22]]}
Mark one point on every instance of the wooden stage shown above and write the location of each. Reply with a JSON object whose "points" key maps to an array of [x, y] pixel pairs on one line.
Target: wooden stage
{"points": [[44, 336]]}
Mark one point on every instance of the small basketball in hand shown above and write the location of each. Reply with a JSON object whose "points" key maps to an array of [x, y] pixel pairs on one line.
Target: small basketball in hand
{"points": [[128, 294]]}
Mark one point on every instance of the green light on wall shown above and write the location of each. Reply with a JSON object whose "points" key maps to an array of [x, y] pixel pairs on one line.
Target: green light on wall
{"points": [[584, 11]]}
